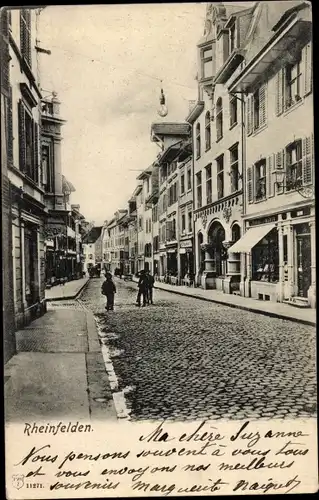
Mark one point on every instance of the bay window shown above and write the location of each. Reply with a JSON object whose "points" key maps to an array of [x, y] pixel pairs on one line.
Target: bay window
{"points": [[207, 62]]}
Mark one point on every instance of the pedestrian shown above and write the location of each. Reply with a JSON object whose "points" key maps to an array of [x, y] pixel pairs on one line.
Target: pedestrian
{"points": [[109, 289], [150, 286], [142, 289]]}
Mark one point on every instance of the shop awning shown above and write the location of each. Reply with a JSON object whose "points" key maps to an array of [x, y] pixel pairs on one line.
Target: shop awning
{"points": [[251, 238]]}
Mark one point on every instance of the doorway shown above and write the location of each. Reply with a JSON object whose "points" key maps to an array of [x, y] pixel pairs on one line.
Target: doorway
{"points": [[303, 238]]}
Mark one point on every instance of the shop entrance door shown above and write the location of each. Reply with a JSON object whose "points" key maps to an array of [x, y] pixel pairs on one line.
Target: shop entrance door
{"points": [[303, 259]]}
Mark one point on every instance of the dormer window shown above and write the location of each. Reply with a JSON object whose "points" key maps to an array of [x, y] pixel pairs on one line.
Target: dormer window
{"points": [[207, 62]]}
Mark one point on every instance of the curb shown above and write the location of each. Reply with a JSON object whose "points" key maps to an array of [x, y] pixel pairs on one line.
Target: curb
{"points": [[69, 297], [242, 307]]}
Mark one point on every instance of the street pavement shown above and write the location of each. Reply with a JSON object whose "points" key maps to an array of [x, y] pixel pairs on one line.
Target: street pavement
{"points": [[58, 371], [184, 358]]}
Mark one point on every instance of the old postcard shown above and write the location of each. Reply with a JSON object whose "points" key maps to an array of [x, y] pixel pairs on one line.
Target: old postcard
{"points": [[159, 261]]}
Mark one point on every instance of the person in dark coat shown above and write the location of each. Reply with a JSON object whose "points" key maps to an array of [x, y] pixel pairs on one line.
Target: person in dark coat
{"points": [[142, 289], [109, 289], [150, 286]]}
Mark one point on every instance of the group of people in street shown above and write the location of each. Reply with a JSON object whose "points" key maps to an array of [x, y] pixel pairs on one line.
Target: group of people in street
{"points": [[145, 290]]}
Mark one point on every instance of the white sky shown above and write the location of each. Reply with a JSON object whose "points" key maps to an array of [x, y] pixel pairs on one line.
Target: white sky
{"points": [[100, 56]]}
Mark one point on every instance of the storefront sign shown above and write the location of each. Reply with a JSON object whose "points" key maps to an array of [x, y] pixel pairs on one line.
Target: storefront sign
{"points": [[263, 220], [52, 230], [186, 244]]}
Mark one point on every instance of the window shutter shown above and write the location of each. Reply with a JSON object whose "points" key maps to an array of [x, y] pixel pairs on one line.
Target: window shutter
{"points": [[10, 129], [280, 164], [36, 151], [270, 167], [262, 105], [307, 160], [22, 144], [279, 92], [249, 118], [250, 193], [307, 68]]}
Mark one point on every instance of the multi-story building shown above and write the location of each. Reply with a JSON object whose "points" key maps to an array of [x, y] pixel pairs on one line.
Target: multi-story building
{"points": [[140, 238], [185, 214], [22, 121], [92, 249], [171, 138], [117, 231], [146, 213], [132, 235], [62, 261], [6, 157], [279, 209], [217, 122]]}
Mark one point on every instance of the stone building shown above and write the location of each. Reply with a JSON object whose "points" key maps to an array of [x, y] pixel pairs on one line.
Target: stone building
{"points": [[279, 211], [217, 125], [92, 249]]}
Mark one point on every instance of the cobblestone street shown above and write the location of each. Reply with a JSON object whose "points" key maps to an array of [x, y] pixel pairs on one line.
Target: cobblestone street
{"points": [[185, 359]]}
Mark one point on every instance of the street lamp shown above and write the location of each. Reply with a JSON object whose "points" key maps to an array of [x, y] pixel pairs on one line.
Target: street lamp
{"points": [[304, 191]]}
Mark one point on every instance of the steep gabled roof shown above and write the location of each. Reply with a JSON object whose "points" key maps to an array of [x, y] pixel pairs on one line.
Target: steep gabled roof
{"points": [[93, 235]]}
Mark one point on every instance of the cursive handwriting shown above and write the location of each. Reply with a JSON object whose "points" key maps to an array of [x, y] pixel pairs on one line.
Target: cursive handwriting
{"points": [[266, 487]]}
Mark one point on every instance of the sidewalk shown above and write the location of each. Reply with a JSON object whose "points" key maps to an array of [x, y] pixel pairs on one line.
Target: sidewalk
{"points": [[275, 309], [70, 290], [58, 371]]}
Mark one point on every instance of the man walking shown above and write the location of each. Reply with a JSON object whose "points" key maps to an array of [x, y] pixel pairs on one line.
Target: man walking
{"points": [[150, 286], [109, 289], [142, 289]]}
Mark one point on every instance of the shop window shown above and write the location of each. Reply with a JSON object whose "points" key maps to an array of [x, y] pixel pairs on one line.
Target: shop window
{"points": [[208, 184], [260, 180], [233, 111], [294, 166], [207, 131], [207, 62], [199, 189], [189, 179], [182, 184], [234, 169], [198, 145], [220, 177], [265, 259], [219, 119]]}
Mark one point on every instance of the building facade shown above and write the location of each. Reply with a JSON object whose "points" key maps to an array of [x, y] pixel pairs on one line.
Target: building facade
{"points": [[279, 210], [92, 249], [217, 125], [28, 211]]}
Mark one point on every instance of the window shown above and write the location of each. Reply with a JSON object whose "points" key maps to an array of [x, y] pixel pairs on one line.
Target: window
{"points": [[154, 214], [219, 119], [140, 223], [207, 131], [256, 110], [294, 166], [233, 110], [220, 177], [182, 184], [199, 189], [47, 169], [260, 176], [207, 63], [208, 184], [183, 223], [265, 259], [234, 172], [25, 35], [232, 37], [198, 149], [147, 185], [293, 80], [189, 179], [28, 144], [190, 222]]}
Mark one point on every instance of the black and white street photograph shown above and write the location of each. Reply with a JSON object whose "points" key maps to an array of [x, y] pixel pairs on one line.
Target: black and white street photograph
{"points": [[158, 212]]}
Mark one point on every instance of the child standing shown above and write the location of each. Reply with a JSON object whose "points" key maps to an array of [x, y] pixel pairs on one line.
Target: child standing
{"points": [[109, 289]]}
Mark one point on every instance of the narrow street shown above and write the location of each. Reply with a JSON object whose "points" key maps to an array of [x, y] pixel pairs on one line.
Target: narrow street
{"points": [[183, 358]]}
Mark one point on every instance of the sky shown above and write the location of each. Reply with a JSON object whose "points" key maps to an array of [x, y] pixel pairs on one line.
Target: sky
{"points": [[106, 64]]}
